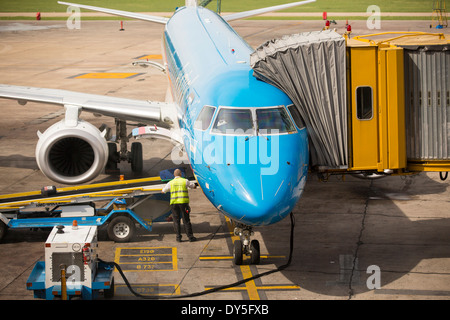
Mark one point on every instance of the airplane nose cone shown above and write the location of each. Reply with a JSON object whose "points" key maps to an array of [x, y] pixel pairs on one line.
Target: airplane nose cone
{"points": [[264, 188], [261, 199]]}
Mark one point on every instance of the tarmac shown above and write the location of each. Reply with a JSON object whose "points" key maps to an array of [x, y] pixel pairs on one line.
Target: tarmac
{"points": [[354, 239]]}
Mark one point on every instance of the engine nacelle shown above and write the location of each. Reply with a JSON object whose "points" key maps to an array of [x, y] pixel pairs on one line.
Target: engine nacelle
{"points": [[71, 154]]}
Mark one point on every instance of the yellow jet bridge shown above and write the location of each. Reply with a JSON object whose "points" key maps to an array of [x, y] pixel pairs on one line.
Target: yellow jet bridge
{"points": [[373, 104], [398, 100]]}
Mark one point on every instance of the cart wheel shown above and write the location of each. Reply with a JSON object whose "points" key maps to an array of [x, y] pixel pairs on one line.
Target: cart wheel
{"points": [[255, 255], [109, 293], [3, 229], [237, 252], [137, 162], [121, 229]]}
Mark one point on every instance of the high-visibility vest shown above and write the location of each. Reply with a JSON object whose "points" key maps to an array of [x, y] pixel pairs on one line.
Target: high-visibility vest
{"points": [[178, 191]]}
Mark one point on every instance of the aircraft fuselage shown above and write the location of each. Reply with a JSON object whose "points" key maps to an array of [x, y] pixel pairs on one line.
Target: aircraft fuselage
{"points": [[248, 153]]}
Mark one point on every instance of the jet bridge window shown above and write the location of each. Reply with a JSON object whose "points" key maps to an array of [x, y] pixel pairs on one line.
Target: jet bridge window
{"points": [[364, 103], [274, 119], [204, 118], [233, 120]]}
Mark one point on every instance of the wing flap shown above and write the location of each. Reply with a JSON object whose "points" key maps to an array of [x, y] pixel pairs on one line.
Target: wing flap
{"points": [[121, 108]]}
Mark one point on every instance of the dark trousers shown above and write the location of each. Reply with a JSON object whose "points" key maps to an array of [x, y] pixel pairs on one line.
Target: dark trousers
{"points": [[178, 212]]}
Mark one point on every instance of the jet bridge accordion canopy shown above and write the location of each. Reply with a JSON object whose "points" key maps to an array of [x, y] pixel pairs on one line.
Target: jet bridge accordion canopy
{"points": [[311, 69], [427, 99]]}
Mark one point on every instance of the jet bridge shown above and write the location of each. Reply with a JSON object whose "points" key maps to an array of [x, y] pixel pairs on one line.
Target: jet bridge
{"points": [[310, 69], [372, 104]]}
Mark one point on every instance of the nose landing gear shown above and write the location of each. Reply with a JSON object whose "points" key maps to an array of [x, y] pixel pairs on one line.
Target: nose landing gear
{"points": [[245, 246]]}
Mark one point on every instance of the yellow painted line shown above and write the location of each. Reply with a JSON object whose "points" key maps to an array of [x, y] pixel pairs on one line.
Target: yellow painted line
{"points": [[174, 258], [151, 57], [106, 75], [252, 290], [217, 258], [250, 286], [282, 287], [231, 257], [245, 269]]}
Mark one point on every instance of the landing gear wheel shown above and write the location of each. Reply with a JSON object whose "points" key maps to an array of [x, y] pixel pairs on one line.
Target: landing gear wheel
{"points": [[237, 252], [254, 252], [113, 159], [137, 162], [121, 229]]}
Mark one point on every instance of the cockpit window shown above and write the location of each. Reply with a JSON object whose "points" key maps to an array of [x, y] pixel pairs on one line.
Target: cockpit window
{"points": [[265, 120], [204, 118], [274, 119], [233, 120], [296, 116]]}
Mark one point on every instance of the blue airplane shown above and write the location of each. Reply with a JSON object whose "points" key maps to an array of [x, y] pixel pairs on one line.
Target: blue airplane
{"points": [[244, 138]]}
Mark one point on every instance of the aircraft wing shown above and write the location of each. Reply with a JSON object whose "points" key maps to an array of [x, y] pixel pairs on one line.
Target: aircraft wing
{"points": [[125, 109], [256, 12], [121, 13], [163, 20]]}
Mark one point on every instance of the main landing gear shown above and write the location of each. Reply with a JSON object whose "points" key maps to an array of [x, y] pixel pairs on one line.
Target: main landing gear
{"points": [[245, 245], [134, 157]]}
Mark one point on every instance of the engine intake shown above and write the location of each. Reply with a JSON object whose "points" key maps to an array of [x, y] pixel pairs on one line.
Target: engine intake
{"points": [[71, 154]]}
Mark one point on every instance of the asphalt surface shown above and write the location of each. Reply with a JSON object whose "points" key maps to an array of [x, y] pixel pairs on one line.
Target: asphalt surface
{"points": [[348, 231]]}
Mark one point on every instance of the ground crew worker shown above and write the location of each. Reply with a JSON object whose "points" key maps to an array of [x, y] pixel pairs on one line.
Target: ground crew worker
{"points": [[179, 201]]}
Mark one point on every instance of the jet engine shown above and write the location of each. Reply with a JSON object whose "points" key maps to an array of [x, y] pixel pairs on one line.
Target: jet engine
{"points": [[71, 154]]}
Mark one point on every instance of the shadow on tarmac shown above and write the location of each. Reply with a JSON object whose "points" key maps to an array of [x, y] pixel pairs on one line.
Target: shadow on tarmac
{"points": [[342, 228]]}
